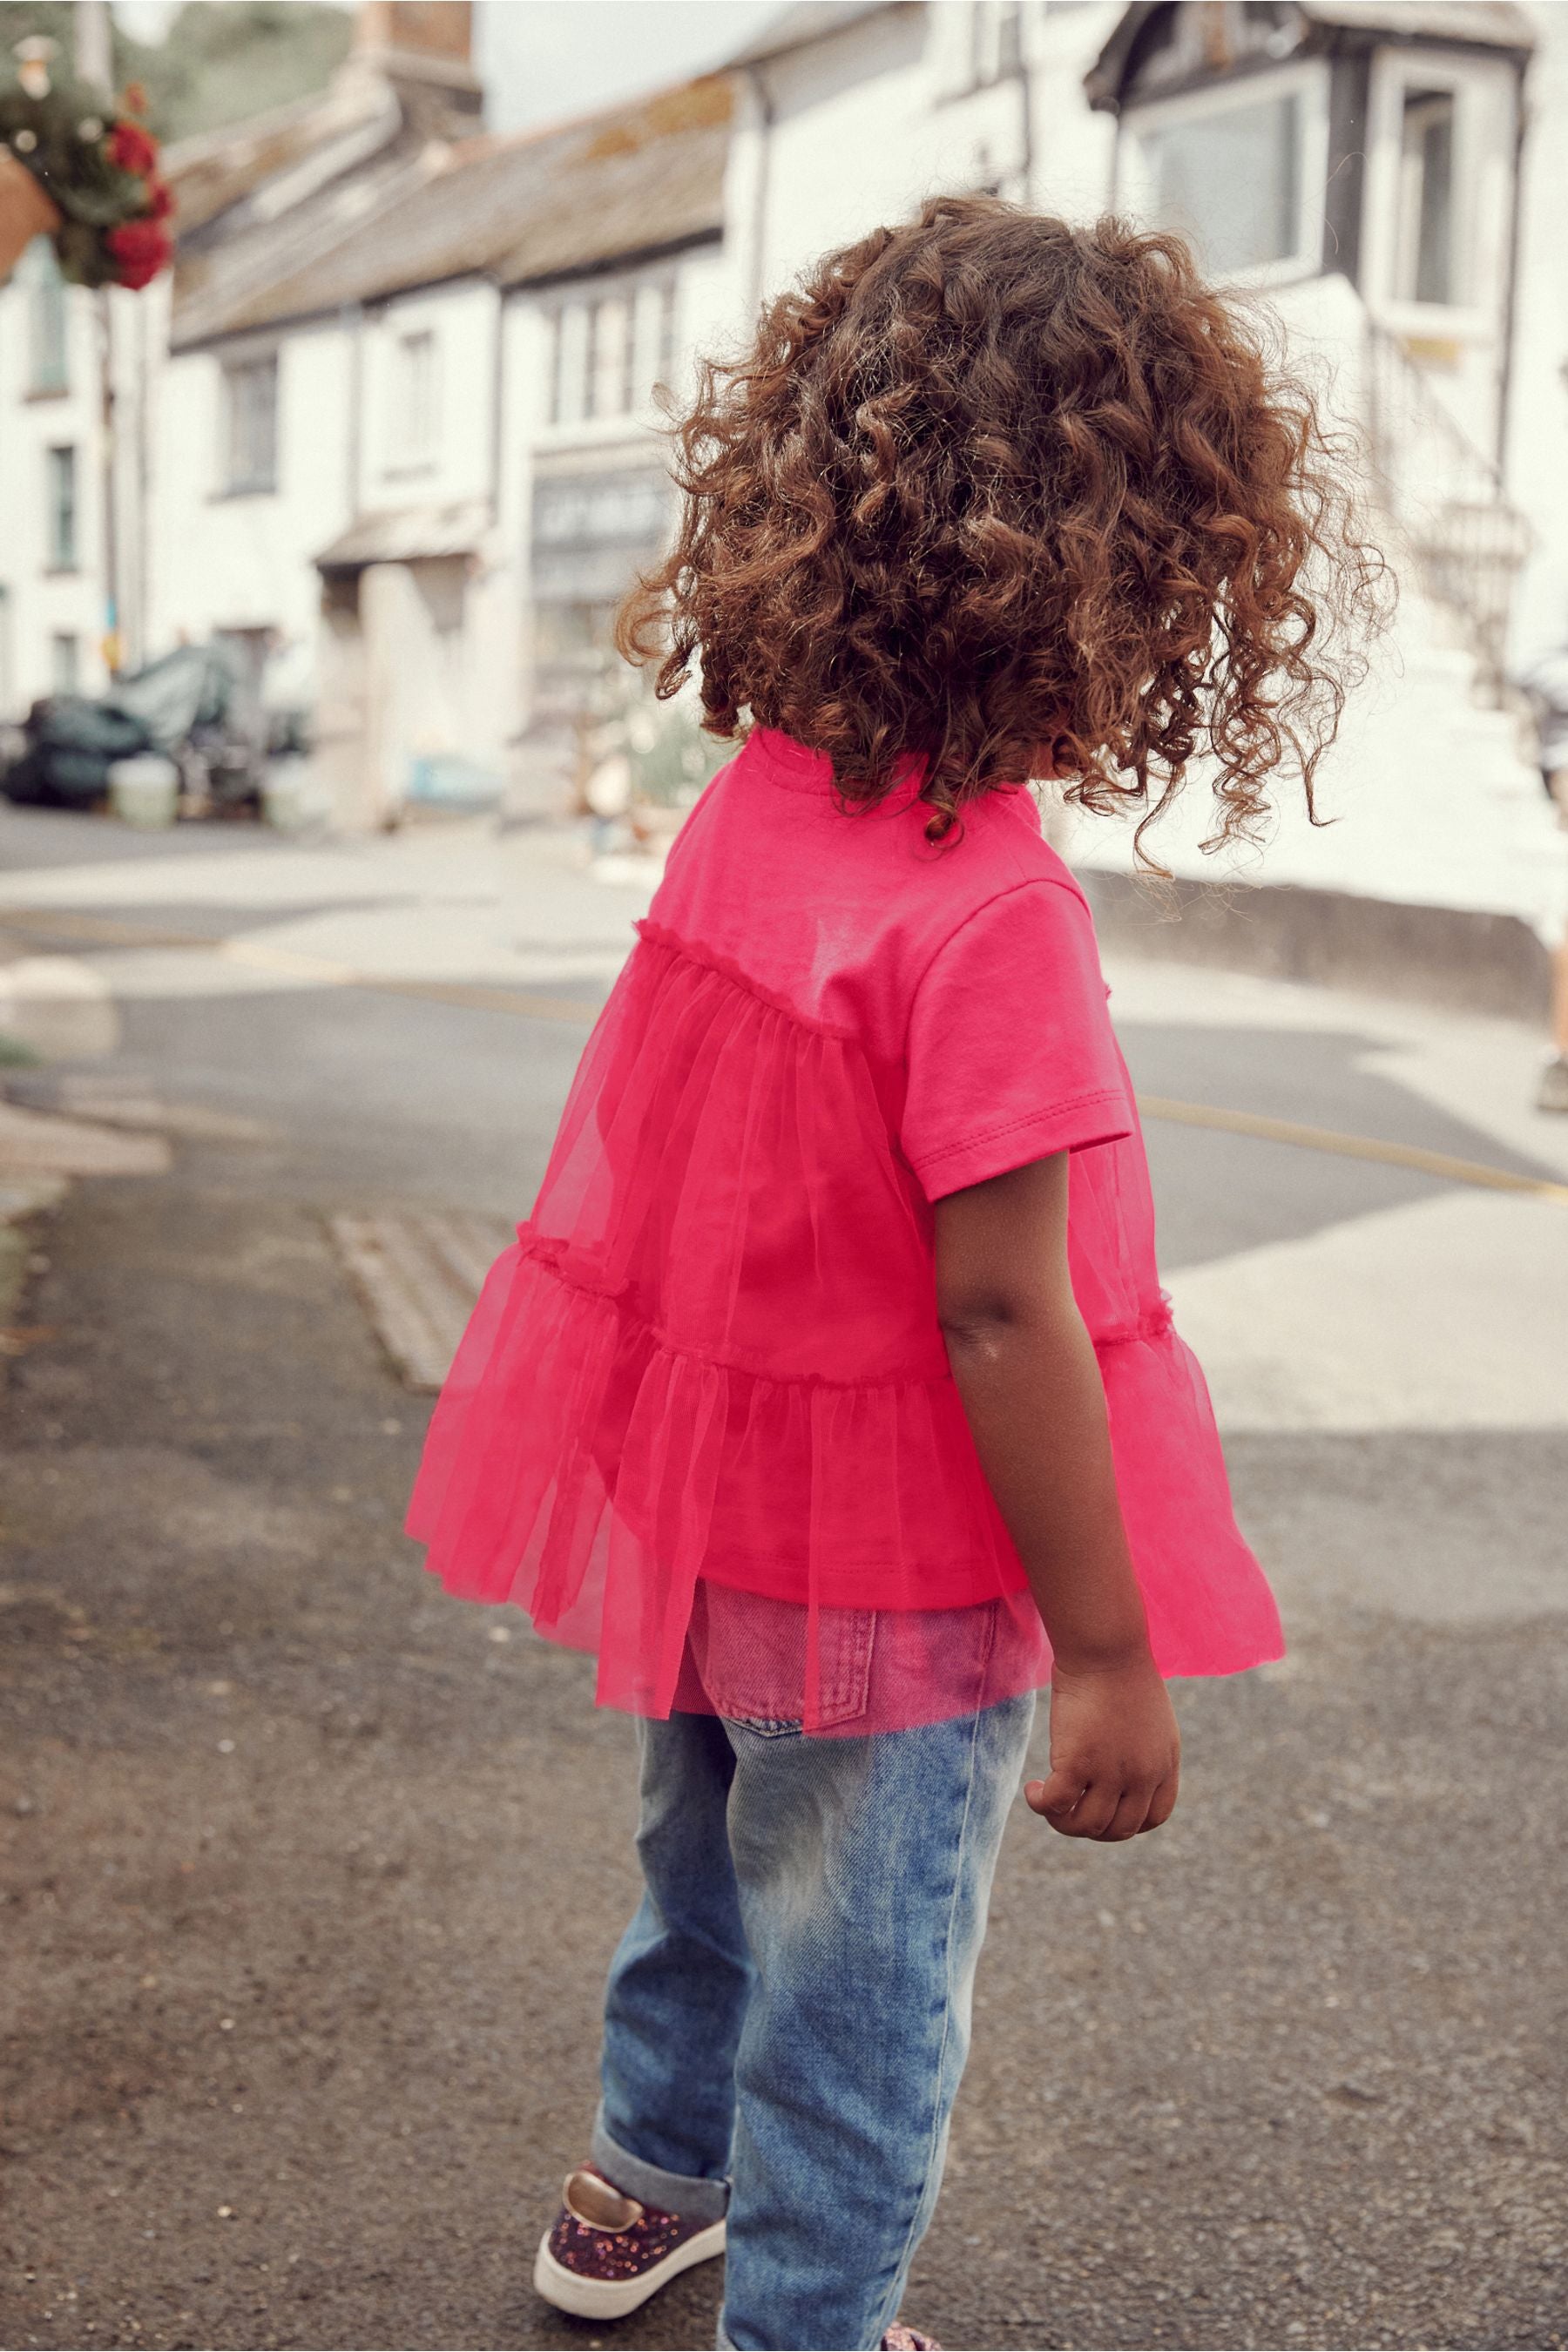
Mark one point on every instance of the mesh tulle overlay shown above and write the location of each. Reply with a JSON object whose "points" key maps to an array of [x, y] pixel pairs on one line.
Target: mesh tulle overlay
{"points": [[702, 1421]]}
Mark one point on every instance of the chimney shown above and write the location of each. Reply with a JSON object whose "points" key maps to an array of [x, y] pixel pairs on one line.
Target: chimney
{"points": [[424, 48]]}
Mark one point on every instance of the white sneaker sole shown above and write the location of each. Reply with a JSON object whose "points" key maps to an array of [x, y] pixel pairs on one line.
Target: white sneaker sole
{"points": [[613, 2298]]}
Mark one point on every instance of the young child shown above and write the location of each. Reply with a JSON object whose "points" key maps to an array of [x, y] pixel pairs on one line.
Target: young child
{"points": [[829, 1394]]}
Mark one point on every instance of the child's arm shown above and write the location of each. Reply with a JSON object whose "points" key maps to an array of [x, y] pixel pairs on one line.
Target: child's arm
{"points": [[1025, 1369]]}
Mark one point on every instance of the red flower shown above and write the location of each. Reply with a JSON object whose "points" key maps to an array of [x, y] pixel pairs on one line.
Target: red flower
{"points": [[160, 202], [131, 148], [141, 248]]}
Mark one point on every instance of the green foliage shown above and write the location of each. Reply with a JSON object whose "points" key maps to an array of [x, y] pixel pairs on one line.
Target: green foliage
{"points": [[133, 60], [222, 65], [671, 757], [217, 65]]}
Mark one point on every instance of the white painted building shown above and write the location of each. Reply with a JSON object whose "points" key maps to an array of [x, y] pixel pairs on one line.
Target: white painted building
{"points": [[1388, 179], [52, 619], [404, 429], [405, 423]]}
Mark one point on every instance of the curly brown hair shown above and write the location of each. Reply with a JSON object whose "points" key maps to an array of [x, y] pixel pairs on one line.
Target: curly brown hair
{"points": [[1021, 498]]}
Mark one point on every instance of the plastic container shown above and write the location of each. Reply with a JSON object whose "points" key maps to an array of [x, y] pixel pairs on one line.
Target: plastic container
{"points": [[293, 796], [144, 791]]}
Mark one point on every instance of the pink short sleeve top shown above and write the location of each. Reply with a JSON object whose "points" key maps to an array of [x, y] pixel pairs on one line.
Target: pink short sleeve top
{"points": [[711, 1364]]}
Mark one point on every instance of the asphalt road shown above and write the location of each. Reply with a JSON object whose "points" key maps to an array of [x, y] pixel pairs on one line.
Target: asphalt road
{"points": [[309, 1874]]}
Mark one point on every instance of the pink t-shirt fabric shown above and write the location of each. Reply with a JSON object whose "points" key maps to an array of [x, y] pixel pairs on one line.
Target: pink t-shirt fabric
{"points": [[702, 1421]]}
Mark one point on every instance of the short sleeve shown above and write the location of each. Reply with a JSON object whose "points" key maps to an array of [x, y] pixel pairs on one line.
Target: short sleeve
{"points": [[1011, 1057]]}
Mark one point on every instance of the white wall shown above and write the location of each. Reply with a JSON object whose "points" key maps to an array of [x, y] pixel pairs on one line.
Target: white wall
{"points": [[845, 150], [1427, 799], [38, 603], [1073, 146], [245, 560], [869, 121], [524, 361], [462, 319], [1433, 798]]}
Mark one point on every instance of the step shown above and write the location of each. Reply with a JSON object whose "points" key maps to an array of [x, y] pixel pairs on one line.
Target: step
{"points": [[419, 1272]]}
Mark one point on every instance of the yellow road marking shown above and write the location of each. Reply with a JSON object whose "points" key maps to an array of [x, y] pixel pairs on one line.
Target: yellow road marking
{"points": [[1353, 1147], [104, 930], [95, 931]]}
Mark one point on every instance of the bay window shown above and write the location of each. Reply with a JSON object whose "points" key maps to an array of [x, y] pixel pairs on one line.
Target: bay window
{"points": [[1238, 169]]}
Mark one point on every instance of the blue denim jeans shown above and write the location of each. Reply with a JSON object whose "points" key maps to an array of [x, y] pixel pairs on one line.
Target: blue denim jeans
{"points": [[788, 2013]]}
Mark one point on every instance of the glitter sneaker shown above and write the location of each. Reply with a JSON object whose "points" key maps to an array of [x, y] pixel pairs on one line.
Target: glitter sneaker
{"points": [[606, 2253], [909, 2340]]}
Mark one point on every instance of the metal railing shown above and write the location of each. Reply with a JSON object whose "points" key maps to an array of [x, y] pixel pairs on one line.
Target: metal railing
{"points": [[1464, 540]]}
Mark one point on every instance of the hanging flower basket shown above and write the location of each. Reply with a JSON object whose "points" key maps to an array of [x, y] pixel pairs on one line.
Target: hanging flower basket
{"points": [[95, 170]]}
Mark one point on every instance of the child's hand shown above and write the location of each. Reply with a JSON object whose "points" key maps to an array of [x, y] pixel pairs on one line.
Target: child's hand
{"points": [[1115, 1753]]}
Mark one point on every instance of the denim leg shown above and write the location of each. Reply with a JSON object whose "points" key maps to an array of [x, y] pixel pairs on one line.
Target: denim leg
{"points": [[865, 1869], [678, 1983]]}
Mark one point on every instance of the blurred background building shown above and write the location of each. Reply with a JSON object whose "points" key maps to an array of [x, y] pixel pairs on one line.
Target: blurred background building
{"points": [[390, 433]]}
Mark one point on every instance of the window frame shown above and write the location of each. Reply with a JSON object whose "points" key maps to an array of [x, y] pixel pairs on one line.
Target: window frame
{"points": [[256, 362], [416, 437], [580, 361], [569, 361], [1480, 185], [64, 545], [610, 369], [1306, 78], [46, 295]]}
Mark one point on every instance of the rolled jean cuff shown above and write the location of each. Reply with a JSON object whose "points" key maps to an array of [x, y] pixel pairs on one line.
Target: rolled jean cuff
{"points": [[671, 2192]]}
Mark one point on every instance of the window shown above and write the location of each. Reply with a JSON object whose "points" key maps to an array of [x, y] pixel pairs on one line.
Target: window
{"points": [[1424, 259], [569, 363], [65, 662], [61, 492], [1238, 171], [1438, 212], [555, 354], [250, 401], [610, 353], [47, 369], [663, 368], [1232, 183], [605, 353], [416, 421]]}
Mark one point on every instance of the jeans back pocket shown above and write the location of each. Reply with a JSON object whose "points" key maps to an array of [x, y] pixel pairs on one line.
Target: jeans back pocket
{"points": [[752, 1656]]}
